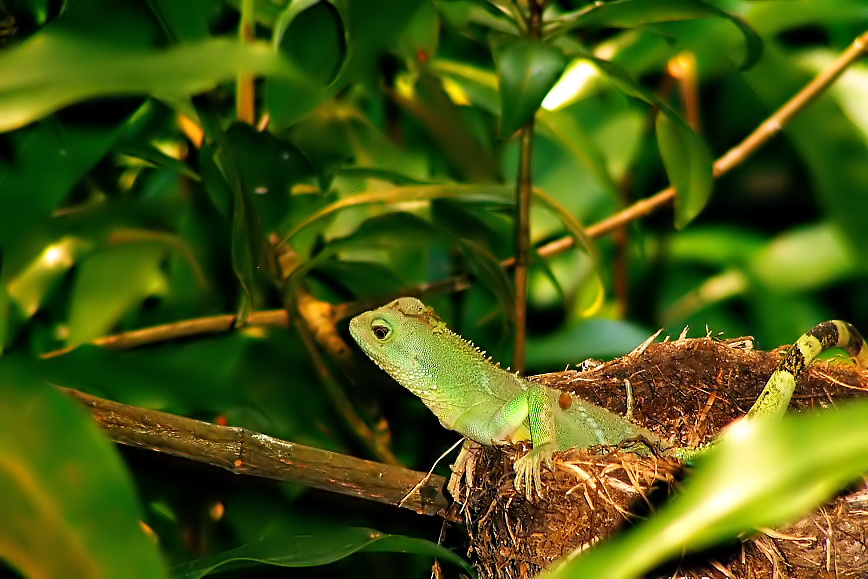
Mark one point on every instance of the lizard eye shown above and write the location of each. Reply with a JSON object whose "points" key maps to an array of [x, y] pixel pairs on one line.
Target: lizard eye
{"points": [[381, 331]]}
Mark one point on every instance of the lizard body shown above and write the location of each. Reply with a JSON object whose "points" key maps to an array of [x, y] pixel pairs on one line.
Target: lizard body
{"points": [[473, 396]]}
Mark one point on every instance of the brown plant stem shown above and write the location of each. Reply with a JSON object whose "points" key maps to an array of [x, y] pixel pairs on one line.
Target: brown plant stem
{"points": [[178, 330], [524, 187], [243, 451], [735, 156], [245, 100], [316, 326], [769, 128]]}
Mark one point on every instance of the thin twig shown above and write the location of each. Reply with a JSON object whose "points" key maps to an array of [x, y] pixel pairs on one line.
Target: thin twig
{"points": [[637, 210], [243, 451], [771, 127], [183, 329], [313, 323]]}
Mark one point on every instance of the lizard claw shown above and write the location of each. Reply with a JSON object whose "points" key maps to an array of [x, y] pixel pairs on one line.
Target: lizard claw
{"points": [[528, 470]]}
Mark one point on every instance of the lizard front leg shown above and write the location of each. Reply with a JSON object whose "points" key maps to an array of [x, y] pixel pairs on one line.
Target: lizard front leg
{"points": [[533, 408]]}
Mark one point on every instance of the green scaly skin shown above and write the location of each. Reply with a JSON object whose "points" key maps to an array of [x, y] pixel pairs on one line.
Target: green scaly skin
{"points": [[473, 396]]}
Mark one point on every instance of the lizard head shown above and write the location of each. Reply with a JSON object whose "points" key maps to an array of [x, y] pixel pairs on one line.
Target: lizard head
{"points": [[398, 337]]}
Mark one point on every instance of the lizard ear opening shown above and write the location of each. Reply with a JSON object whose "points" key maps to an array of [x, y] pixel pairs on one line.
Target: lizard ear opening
{"points": [[381, 330]]}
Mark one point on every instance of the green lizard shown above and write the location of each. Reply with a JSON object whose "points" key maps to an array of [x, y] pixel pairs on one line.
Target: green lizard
{"points": [[473, 396]]}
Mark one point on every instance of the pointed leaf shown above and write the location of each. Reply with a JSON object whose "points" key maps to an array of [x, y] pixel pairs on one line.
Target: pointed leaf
{"points": [[30, 193], [312, 550], [689, 166], [487, 270], [761, 473], [389, 231], [109, 284], [35, 283], [527, 70], [302, 25], [686, 157], [636, 13], [69, 507]]}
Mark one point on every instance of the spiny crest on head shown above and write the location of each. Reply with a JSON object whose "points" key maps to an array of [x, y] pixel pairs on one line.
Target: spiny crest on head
{"points": [[412, 307]]}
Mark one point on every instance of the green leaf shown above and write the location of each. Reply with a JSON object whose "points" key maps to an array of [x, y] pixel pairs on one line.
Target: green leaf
{"points": [[268, 168], [685, 155], [465, 148], [803, 259], [109, 284], [487, 270], [480, 85], [564, 130], [69, 507], [248, 243], [302, 26], [689, 167], [310, 23], [527, 69], [35, 284], [11, 319], [762, 473], [387, 175], [637, 13], [391, 231], [157, 158], [183, 377], [30, 193], [42, 77], [831, 148], [594, 338], [311, 550], [481, 193]]}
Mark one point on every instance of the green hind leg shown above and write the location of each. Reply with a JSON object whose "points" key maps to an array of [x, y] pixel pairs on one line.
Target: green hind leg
{"points": [[775, 398]]}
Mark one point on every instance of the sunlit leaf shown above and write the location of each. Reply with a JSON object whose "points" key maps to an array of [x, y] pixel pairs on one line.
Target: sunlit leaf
{"points": [[68, 504], [688, 166], [527, 69], [718, 246], [387, 175], [157, 158], [479, 193], [311, 550], [760, 474], [35, 283], [636, 13], [478, 84]]}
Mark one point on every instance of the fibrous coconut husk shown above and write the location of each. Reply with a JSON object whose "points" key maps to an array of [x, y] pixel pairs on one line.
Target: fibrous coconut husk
{"points": [[686, 391]]}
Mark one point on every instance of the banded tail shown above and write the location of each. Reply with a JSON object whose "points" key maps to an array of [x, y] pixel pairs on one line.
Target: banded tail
{"points": [[775, 398]]}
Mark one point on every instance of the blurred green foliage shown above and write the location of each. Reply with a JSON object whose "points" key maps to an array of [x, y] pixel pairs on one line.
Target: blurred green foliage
{"points": [[131, 196]]}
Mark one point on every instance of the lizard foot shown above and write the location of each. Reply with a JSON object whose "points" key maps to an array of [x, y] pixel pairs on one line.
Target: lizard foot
{"points": [[528, 469]]}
